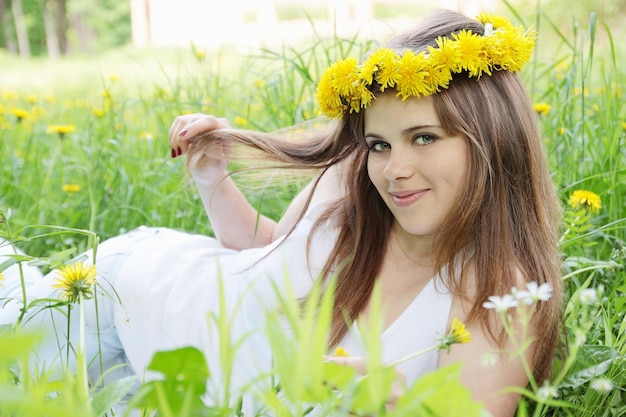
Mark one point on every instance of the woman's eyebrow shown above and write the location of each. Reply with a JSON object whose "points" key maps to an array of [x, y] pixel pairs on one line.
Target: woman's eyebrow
{"points": [[418, 127], [404, 131]]}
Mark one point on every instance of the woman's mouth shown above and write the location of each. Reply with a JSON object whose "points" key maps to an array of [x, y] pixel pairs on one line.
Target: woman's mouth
{"points": [[406, 198]]}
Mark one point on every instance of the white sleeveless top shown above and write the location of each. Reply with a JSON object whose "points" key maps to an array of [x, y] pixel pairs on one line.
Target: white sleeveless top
{"points": [[169, 289]]}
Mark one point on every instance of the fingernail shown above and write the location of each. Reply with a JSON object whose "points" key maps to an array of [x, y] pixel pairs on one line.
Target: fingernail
{"points": [[179, 151], [174, 153], [182, 133]]}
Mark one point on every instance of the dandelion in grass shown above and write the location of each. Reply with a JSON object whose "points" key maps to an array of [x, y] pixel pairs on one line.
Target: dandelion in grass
{"points": [[76, 281], [32, 99], [61, 130], [624, 125], [20, 114], [97, 112], [542, 108], [340, 353], [146, 135], [583, 199], [458, 334], [561, 130], [200, 54], [260, 83], [241, 121], [71, 188], [9, 95], [1, 280], [601, 385]]}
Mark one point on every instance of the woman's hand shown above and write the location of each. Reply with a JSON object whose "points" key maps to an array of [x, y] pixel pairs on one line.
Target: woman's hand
{"points": [[398, 387], [187, 127]]}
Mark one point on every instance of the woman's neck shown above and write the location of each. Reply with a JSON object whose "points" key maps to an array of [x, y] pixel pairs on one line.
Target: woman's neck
{"points": [[417, 250]]}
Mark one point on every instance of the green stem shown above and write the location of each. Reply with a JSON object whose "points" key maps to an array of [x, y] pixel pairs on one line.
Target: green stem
{"points": [[67, 337], [413, 355]]}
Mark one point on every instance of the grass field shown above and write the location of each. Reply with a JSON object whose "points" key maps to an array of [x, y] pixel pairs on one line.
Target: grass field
{"points": [[83, 147]]}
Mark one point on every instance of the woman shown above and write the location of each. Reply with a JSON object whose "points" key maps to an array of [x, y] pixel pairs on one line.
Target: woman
{"points": [[432, 184]]}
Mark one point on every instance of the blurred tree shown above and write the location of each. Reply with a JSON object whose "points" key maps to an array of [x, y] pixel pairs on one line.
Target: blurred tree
{"points": [[8, 33], [23, 44], [54, 15]]}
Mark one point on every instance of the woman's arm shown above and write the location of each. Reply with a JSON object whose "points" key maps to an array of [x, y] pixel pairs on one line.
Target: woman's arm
{"points": [[487, 369], [237, 225]]}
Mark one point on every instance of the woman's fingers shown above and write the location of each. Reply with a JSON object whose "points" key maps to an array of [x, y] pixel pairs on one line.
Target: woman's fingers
{"points": [[358, 363], [188, 126], [398, 387]]}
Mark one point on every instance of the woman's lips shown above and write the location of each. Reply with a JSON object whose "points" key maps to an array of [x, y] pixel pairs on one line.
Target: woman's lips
{"points": [[406, 198]]}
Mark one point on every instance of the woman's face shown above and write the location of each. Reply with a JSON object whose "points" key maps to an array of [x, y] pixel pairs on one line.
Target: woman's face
{"points": [[416, 167]]}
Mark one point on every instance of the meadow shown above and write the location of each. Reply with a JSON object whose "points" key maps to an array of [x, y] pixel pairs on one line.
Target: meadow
{"points": [[84, 156]]}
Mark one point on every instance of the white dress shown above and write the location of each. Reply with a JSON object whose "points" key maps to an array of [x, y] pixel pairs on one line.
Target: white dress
{"points": [[160, 286]]}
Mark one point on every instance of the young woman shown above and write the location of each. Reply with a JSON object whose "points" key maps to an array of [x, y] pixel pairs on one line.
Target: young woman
{"points": [[432, 183]]}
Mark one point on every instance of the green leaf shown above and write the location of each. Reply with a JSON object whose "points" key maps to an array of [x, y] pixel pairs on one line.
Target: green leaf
{"points": [[591, 362], [184, 364], [111, 394], [439, 393]]}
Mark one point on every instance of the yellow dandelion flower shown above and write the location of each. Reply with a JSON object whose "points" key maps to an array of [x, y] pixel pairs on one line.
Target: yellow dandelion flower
{"points": [[344, 76], [509, 49], [61, 130], [359, 97], [411, 76], [381, 63], [260, 83], [200, 54], [146, 135], [542, 108], [241, 121], [32, 99], [471, 47], [458, 334], [1, 280], [446, 54], [76, 281], [341, 353], [20, 114], [583, 199], [71, 188], [624, 125], [327, 97], [97, 112], [561, 130], [9, 96], [497, 21]]}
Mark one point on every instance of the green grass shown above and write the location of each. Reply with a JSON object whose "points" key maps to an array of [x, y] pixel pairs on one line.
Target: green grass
{"points": [[118, 156]]}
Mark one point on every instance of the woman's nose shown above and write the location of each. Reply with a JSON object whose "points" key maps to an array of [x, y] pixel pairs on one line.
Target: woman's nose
{"points": [[399, 165]]}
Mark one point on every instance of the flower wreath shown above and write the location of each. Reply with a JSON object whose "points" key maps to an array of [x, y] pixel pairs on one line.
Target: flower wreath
{"points": [[345, 84]]}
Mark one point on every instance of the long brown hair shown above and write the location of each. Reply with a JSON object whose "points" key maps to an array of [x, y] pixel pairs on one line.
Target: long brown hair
{"points": [[507, 213]]}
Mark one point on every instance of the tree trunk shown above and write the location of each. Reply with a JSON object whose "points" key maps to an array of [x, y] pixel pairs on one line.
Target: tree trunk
{"points": [[20, 28], [140, 22], [52, 40], [7, 31], [61, 24]]}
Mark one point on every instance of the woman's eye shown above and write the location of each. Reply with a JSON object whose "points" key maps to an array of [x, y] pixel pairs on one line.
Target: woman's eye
{"points": [[378, 146], [424, 139]]}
